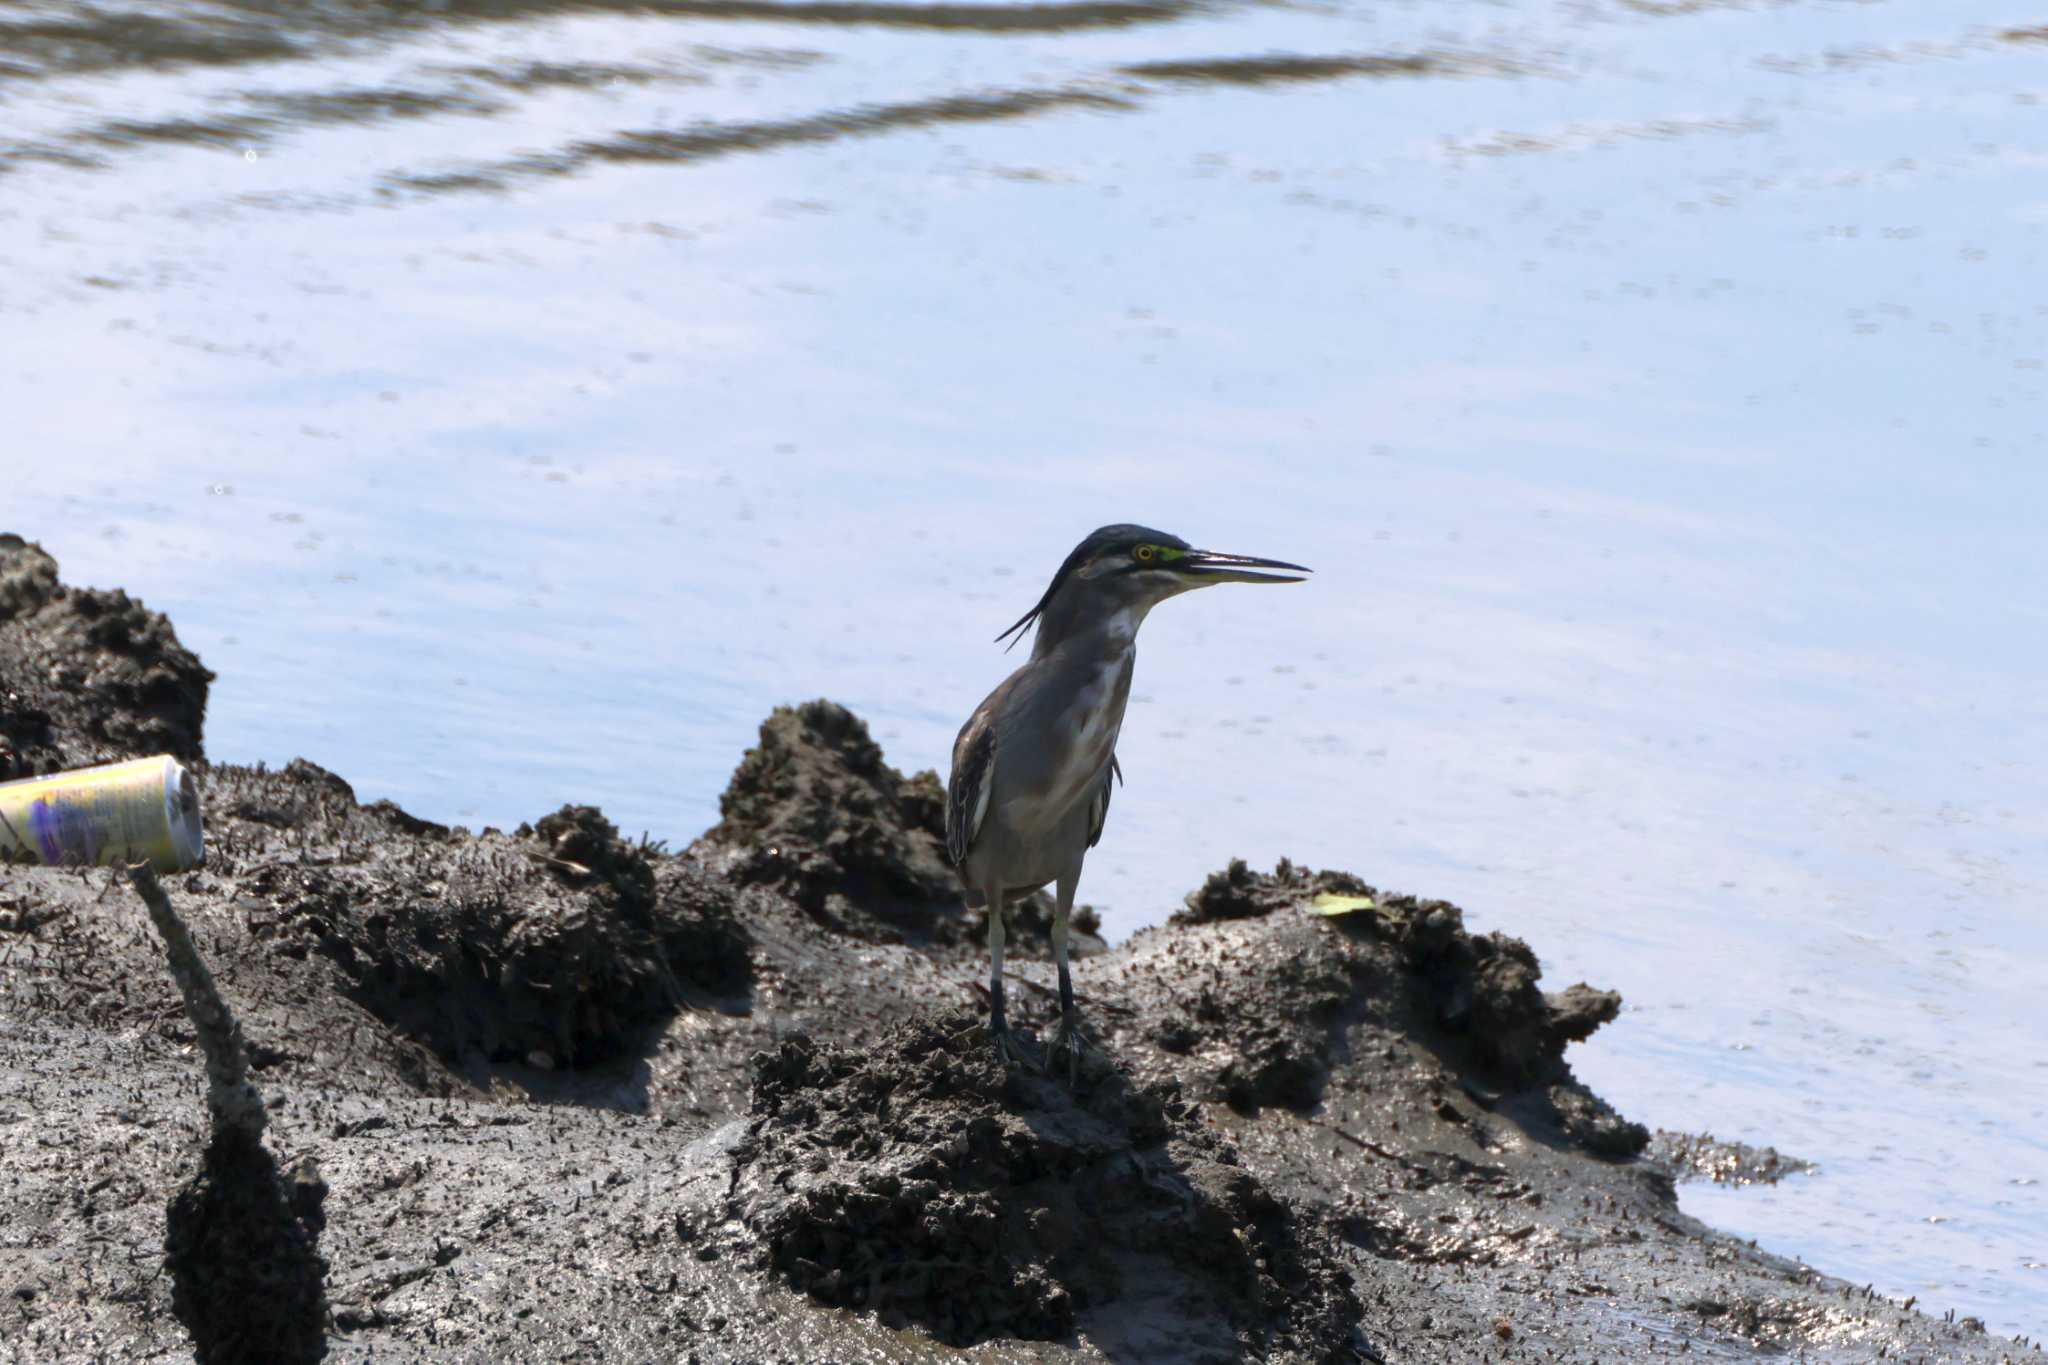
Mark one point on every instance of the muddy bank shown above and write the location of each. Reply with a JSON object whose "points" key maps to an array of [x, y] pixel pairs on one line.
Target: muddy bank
{"points": [[1702, 1156], [575, 1097]]}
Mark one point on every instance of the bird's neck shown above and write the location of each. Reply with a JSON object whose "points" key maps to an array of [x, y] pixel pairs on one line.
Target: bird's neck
{"points": [[1114, 635]]}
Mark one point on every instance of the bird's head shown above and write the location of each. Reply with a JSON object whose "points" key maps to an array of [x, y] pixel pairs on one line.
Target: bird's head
{"points": [[1130, 569]]}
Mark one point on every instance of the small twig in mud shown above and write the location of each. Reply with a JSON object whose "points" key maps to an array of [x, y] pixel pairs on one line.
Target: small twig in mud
{"points": [[1357, 1141], [235, 1104]]}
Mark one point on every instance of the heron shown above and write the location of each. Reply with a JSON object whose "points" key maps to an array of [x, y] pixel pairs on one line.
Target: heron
{"points": [[1033, 766]]}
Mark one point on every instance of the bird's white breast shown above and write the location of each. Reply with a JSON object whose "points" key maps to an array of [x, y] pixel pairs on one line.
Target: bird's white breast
{"points": [[1083, 749], [1096, 720], [1096, 724]]}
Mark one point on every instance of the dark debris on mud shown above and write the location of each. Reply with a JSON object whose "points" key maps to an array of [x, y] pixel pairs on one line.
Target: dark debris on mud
{"points": [[1237, 892], [559, 944], [920, 1178]]}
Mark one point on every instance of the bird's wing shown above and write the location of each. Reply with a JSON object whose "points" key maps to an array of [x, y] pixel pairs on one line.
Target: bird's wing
{"points": [[972, 780], [1098, 809]]}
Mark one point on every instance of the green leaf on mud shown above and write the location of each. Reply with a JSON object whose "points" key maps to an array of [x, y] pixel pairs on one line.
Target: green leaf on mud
{"points": [[1330, 903]]}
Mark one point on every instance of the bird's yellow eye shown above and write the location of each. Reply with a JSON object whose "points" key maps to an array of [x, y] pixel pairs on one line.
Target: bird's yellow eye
{"points": [[1145, 553]]}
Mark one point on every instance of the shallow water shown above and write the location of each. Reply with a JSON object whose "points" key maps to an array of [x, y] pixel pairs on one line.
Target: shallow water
{"points": [[511, 401]]}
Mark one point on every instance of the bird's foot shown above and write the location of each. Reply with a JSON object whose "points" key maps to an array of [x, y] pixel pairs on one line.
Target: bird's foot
{"points": [[1068, 1040], [1010, 1049]]}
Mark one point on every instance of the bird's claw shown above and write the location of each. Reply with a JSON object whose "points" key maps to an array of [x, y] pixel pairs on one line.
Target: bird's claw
{"points": [[1010, 1050], [1069, 1039]]}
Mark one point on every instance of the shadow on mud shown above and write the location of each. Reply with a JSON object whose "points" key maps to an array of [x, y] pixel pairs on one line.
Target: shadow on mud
{"points": [[922, 1180], [239, 1235]]}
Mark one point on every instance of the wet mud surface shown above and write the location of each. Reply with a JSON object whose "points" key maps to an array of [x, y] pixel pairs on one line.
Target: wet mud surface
{"points": [[1702, 1156], [553, 1094]]}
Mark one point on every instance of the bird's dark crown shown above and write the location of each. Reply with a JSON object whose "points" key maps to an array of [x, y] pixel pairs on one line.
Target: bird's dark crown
{"points": [[1123, 545]]}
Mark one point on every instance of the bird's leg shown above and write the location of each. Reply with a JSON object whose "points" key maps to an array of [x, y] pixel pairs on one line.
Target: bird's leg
{"points": [[1069, 1035], [998, 1023]]}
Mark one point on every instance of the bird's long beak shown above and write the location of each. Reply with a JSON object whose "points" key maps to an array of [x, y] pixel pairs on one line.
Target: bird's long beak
{"points": [[1207, 566]]}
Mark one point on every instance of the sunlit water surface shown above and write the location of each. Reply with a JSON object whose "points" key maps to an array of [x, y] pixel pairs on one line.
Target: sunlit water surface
{"points": [[512, 401]]}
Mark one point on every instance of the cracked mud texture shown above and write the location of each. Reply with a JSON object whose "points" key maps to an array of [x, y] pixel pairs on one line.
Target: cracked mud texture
{"points": [[524, 1064], [88, 676], [920, 1178]]}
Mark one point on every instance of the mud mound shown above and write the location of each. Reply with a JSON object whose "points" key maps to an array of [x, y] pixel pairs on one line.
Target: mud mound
{"points": [[1237, 892], [556, 945], [1479, 992], [88, 676], [1478, 987], [1262, 1011], [237, 1239], [814, 812], [1264, 998], [1266, 1034], [1275, 1030], [28, 577], [1481, 988], [1702, 1156], [917, 1179]]}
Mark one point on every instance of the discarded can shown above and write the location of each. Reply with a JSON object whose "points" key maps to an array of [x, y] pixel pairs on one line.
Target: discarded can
{"points": [[147, 808]]}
